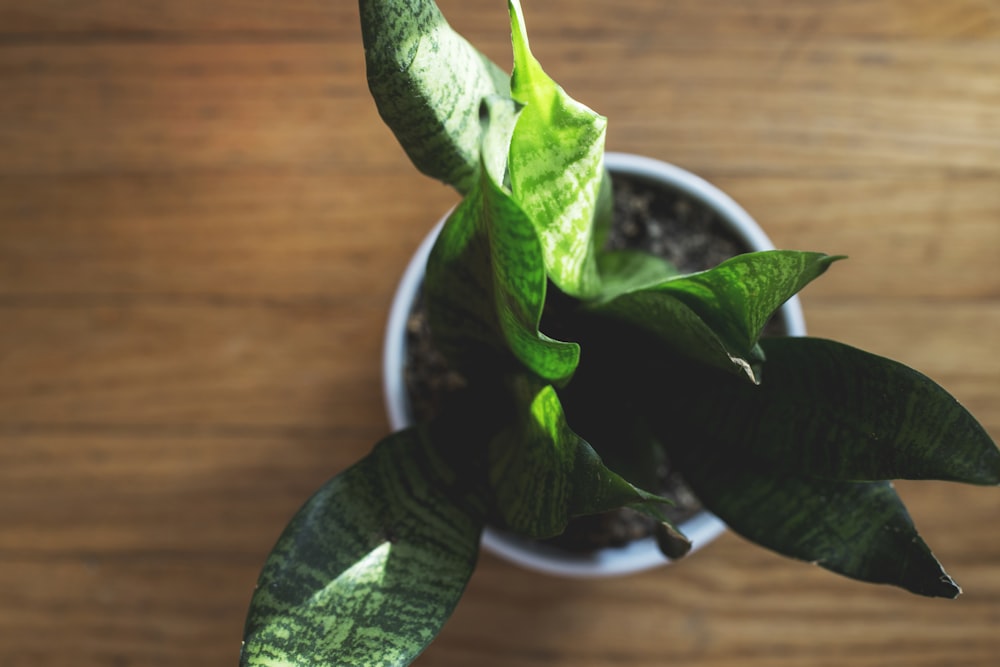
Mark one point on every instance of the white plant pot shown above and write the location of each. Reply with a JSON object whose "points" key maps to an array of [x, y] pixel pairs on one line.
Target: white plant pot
{"points": [[638, 555]]}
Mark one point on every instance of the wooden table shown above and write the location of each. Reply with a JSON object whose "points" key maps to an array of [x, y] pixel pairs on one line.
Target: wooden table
{"points": [[202, 221]]}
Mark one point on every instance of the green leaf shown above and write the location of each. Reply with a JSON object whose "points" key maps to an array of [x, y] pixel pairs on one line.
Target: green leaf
{"points": [[860, 530], [371, 567], [715, 316], [543, 473], [797, 464], [428, 83], [632, 270], [671, 323], [739, 296], [829, 410], [486, 278], [556, 168]]}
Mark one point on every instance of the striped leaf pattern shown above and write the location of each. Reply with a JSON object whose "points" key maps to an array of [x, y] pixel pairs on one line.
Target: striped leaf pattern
{"points": [[486, 281], [370, 568], [828, 410], [428, 82], [557, 168], [799, 463], [714, 316], [860, 530], [740, 295]]}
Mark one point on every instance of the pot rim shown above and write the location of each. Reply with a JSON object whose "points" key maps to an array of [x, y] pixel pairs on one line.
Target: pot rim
{"points": [[638, 555]]}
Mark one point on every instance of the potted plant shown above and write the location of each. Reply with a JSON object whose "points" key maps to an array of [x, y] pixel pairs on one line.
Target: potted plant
{"points": [[657, 201], [567, 349]]}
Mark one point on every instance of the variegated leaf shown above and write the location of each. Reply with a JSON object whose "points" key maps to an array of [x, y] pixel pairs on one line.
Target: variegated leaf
{"points": [[858, 529], [428, 83], [543, 473], [828, 410], [371, 567], [556, 168], [714, 316], [486, 279]]}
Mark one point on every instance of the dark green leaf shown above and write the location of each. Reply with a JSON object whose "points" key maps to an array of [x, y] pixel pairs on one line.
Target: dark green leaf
{"points": [[600, 405], [780, 462], [371, 567], [860, 530], [671, 323], [428, 83], [829, 410], [543, 473]]}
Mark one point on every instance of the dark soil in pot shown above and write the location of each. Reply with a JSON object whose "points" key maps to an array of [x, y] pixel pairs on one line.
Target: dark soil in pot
{"points": [[647, 217]]}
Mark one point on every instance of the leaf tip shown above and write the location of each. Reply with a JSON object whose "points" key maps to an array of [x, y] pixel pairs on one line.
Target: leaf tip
{"points": [[943, 586], [947, 588], [672, 543], [829, 260], [747, 369]]}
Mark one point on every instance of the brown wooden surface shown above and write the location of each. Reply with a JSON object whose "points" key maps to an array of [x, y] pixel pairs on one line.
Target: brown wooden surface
{"points": [[202, 221]]}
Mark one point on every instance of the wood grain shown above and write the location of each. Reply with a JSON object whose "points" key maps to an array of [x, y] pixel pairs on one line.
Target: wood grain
{"points": [[202, 220]]}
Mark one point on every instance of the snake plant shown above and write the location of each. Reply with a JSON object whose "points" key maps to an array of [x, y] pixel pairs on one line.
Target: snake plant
{"points": [[790, 441]]}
